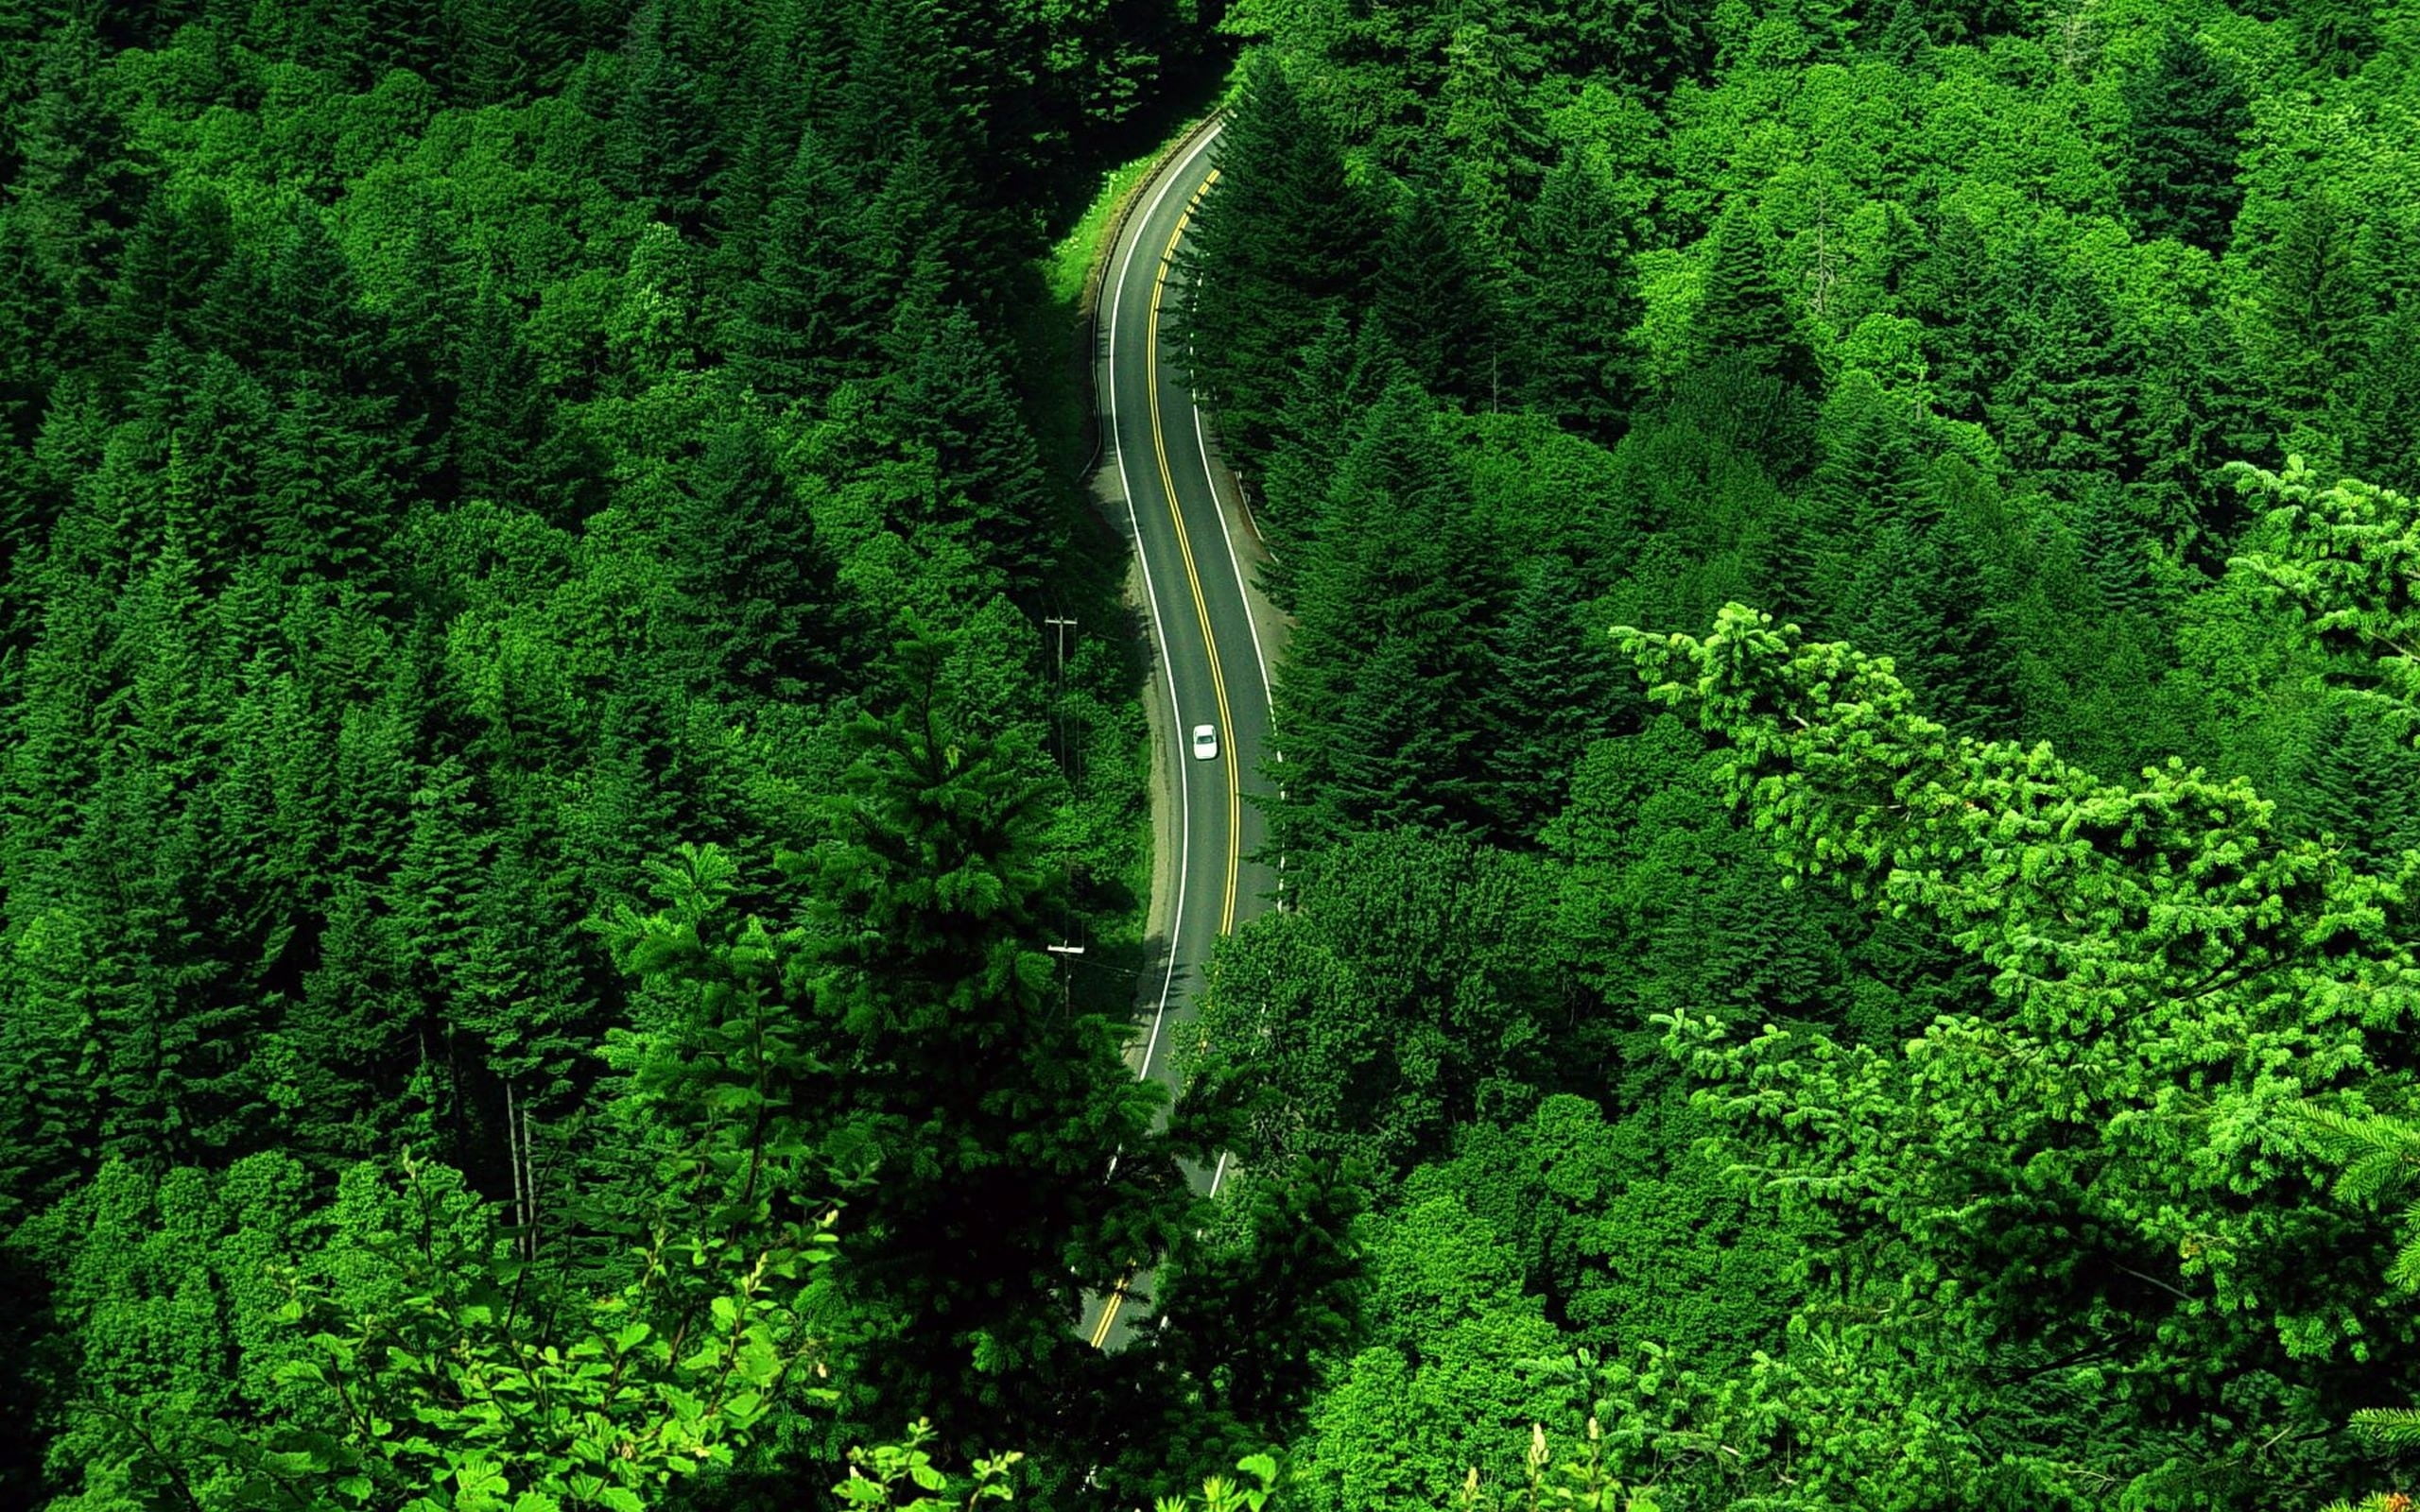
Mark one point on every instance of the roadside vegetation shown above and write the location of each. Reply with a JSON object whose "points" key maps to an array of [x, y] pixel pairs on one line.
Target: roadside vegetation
{"points": [[1850, 727]]}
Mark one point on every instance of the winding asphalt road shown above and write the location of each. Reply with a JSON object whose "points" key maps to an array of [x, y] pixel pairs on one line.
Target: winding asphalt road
{"points": [[1193, 541]]}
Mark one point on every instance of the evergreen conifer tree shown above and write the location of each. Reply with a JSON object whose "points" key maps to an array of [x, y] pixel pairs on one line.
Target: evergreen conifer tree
{"points": [[506, 51], [1253, 1308], [1438, 307], [1343, 373], [1745, 313], [1649, 46], [1949, 289], [2185, 117], [82, 183], [759, 583], [1376, 708], [1283, 239], [949, 399], [2361, 785], [1579, 301], [1494, 142], [987, 1113], [2072, 403], [666, 144], [2383, 407], [176, 246], [2316, 305], [1551, 689], [507, 441], [806, 321]]}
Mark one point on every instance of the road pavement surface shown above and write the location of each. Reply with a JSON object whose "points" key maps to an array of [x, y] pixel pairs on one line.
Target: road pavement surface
{"points": [[1194, 542]]}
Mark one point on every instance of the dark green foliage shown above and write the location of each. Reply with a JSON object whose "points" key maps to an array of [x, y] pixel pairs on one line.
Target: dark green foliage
{"points": [[2361, 786], [81, 182], [1437, 309], [1744, 313], [451, 454], [667, 149], [1268, 263], [1650, 47], [507, 441], [1579, 302], [2384, 401], [759, 584], [949, 404], [983, 1114], [504, 51], [2185, 117], [1551, 690], [390, 568], [1257, 1311], [2072, 400], [1343, 373], [806, 320], [2315, 303], [1377, 717]]}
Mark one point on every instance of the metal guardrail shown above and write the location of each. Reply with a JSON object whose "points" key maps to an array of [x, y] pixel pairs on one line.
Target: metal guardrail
{"points": [[1104, 257]]}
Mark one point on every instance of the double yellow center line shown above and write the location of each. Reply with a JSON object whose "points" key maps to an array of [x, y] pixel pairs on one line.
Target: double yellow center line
{"points": [[1117, 1295], [1184, 549]]}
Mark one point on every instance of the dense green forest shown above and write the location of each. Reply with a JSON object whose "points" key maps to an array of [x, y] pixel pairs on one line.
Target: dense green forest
{"points": [[1789, 1078], [1850, 739]]}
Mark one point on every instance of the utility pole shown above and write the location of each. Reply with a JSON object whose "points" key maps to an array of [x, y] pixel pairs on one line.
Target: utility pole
{"points": [[1067, 988], [1062, 623]]}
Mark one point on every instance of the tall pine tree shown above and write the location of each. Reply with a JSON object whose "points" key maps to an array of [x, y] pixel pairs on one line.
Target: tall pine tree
{"points": [[2185, 117]]}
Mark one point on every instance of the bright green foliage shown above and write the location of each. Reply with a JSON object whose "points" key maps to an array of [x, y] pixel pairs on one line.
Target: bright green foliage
{"points": [[1442, 1377], [888, 1475], [451, 455], [2161, 954], [435, 1380], [2339, 556]]}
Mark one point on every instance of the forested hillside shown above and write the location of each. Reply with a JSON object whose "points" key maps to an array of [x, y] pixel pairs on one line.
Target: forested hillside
{"points": [[1850, 789], [532, 772], [1786, 1077]]}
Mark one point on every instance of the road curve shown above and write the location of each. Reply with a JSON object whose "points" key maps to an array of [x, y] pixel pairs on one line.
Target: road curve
{"points": [[1186, 529]]}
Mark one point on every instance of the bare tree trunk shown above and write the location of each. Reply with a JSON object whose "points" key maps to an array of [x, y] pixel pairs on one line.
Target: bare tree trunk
{"points": [[530, 1181], [513, 1157]]}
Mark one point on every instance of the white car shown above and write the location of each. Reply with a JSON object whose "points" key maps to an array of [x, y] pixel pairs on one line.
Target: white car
{"points": [[1205, 743]]}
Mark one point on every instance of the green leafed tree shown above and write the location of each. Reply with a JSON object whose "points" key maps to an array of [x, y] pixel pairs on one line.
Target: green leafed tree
{"points": [[2173, 946]]}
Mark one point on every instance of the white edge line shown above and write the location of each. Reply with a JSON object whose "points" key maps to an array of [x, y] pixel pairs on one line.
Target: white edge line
{"points": [[1159, 631], [1243, 595]]}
